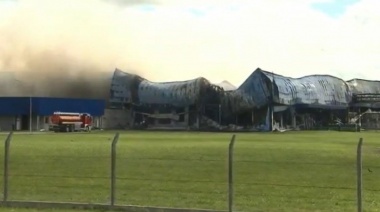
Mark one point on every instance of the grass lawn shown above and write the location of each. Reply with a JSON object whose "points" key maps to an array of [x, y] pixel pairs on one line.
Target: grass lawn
{"points": [[38, 210], [292, 171]]}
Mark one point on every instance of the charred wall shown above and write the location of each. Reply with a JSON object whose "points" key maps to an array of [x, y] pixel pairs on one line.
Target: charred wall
{"points": [[292, 100], [132, 89]]}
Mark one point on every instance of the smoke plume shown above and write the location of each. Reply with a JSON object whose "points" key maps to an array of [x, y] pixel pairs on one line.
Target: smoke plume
{"points": [[64, 48], [69, 48]]}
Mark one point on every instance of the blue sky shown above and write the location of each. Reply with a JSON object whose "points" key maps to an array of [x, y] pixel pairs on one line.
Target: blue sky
{"points": [[334, 8]]}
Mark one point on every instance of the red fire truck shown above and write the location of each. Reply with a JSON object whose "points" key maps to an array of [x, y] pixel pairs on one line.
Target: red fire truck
{"points": [[70, 122]]}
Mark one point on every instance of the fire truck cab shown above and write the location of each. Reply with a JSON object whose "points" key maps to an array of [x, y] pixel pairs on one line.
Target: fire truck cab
{"points": [[70, 122]]}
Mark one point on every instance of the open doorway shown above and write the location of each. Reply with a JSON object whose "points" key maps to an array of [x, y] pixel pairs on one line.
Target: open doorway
{"points": [[24, 122]]}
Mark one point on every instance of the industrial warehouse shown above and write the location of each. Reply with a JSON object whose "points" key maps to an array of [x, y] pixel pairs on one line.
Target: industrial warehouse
{"points": [[265, 101]]}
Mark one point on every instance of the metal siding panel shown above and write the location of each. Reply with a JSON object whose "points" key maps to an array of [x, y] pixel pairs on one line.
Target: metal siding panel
{"points": [[14, 105], [47, 106], [120, 91], [254, 87]]}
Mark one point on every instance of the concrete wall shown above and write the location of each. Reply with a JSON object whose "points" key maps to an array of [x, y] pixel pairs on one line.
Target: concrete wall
{"points": [[116, 119]]}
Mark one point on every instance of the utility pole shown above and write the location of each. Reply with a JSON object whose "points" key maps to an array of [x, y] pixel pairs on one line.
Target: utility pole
{"points": [[31, 108], [30, 114], [271, 106]]}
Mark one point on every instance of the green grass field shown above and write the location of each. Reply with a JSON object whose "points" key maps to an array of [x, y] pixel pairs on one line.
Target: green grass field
{"points": [[292, 171]]}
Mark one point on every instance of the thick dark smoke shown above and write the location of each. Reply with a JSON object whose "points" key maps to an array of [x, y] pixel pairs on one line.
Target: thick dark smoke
{"points": [[51, 75], [64, 48], [69, 48]]}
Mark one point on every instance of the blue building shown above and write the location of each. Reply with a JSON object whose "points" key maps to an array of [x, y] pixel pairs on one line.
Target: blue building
{"points": [[17, 112]]}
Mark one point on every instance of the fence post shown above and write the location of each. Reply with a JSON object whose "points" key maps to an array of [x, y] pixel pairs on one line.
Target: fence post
{"points": [[6, 165], [230, 173], [113, 168], [359, 164]]}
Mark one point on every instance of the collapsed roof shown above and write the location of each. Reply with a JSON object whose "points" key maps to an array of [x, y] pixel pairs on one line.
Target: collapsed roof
{"points": [[360, 86], [130, 88], [317, 91], [312, 91]]}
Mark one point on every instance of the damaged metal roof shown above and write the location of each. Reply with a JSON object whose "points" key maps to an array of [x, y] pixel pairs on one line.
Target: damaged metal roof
{"points": [[235, 101], [319, 91], [315, 90], [360, 86], [174, 93], [129, 88]]}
